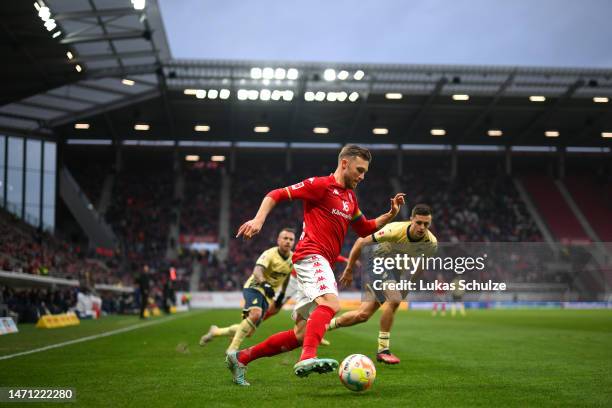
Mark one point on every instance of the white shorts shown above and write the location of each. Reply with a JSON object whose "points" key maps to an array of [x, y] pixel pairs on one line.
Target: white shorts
{"points": [[315, 278], [292, 287]]}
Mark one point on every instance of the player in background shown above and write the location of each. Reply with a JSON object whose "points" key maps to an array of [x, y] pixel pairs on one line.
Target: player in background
{"points": [[330, 206], [269, 279], [411, 237], [289, 293], [439, 297], [457, 295]]}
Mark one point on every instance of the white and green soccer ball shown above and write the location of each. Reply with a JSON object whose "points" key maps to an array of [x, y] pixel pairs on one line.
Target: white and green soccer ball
{"points": [[357, 372]]}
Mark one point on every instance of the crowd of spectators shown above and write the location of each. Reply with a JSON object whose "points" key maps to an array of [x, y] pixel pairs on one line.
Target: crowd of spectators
{"points": [[142, 210], [201, 201], [26, 249]]}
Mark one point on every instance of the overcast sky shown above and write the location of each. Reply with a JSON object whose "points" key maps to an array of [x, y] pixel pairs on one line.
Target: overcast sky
{"points": [[501, 32]]}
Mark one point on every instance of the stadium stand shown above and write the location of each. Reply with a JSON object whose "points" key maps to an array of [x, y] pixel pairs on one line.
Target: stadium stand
{"points": [[553, 208]]}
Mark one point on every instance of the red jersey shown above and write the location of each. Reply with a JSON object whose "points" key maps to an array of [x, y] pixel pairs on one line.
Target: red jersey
{"points": [[329, 208]]}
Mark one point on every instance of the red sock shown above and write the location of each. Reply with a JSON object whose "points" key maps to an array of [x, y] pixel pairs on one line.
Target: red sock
{"points": [[315, 329], [273, 345]]}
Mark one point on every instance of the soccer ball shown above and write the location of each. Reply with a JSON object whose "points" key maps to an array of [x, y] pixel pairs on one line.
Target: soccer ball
{"points": [[357, 372]]}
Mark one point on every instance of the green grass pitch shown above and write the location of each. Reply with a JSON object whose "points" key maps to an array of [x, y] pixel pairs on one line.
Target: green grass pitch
{"points": [[488, 358]]}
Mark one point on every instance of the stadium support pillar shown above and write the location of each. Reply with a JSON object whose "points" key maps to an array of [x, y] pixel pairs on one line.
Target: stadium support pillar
{"points": [[400, 161], [176, 162], [288, 160], [454, 158], [232, 168], [508, 161], [118, 158], [561, 163]]}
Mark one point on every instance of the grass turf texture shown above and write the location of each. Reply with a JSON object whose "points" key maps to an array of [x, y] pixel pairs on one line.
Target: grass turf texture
{"points": [[491, 357]]}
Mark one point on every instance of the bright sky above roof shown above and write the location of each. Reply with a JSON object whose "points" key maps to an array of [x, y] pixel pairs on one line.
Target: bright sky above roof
{"points": [[561, 33]]}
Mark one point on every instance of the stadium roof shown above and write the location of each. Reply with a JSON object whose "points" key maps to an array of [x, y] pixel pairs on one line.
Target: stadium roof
{"points": [[112, 42], [67, 59]]}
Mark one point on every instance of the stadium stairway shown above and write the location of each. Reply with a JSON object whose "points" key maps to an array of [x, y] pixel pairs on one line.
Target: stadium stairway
{"points": [[174, 229], [588, 197], [107, 193], [531, 207], [224, 216], [554, 210], [94, 226]]}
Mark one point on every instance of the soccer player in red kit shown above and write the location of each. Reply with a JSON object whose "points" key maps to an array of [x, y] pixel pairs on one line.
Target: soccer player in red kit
{"points": [[330, 206]]}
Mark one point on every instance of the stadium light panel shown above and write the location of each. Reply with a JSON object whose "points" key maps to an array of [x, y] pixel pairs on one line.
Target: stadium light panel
{"points": [[353, 96], [288, 95], [331, 97], [192, 158], [319, 96], [551, 133], [127, 82], [342, 96], [78, 68], [393, 95], [261, 129], [265, 95], [309, 96], [224, 93], [267, 73], [280, 73], [266, 82], [537, 98], [243, 94], [256, 73], [329, 74], [139, 4], [601, 99], [200, 94], [438, 132], [213, 94], [276, 95], [141, 126], [190, 91], [380, 131], [44, 13], [202, 128], [292, 74], [606, 134], [321, 130], [253, 95], [56, 34], [217, 158], [461, 97], [50, 24], [81, 126], [359, 75], [343, 75], [495, 132]]}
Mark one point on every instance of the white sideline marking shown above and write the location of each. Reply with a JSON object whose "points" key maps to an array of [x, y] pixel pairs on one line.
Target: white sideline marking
{"points": [[93, 337]]}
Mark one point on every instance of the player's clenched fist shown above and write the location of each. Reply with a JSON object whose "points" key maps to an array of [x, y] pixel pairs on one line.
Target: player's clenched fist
{"points": [[249, 228]]}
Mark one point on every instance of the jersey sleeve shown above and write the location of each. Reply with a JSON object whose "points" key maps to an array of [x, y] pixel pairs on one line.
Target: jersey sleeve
{"points": [[391, 232], [264, 259], [361, 225], [311, 189]]}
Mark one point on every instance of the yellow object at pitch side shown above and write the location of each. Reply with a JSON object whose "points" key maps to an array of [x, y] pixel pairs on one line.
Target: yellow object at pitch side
{"points": [[58, 320]]}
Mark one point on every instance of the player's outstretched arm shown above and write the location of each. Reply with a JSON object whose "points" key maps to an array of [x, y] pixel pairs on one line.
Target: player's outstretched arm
{"points": [[353, 259], [252, 227], [396, 204]]}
